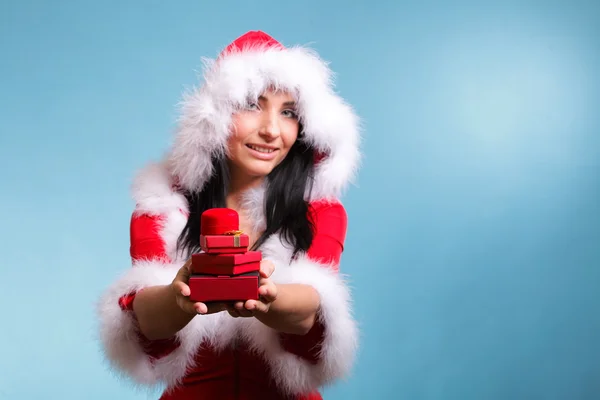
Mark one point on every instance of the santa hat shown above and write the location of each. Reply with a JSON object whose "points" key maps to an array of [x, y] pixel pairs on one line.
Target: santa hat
{"points": [[248, 66]]}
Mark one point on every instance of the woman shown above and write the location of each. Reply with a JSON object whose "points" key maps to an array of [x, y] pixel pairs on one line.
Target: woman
{"points": [[266, 136]]}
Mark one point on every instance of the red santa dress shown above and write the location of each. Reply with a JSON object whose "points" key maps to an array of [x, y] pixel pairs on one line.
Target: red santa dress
{"points": [[217, 356]]}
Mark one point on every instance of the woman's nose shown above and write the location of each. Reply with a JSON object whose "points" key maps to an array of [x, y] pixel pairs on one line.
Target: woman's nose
{"points": [[270, 126]]}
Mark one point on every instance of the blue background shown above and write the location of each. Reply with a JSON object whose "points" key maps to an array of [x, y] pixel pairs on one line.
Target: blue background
{"points": [[474, 241]]}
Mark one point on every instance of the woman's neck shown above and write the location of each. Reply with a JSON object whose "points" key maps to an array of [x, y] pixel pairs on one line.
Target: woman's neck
{"points": [[237, 187]]}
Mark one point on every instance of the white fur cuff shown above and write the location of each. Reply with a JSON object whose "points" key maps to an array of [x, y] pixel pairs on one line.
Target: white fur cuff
{"points": [[118, 333]]}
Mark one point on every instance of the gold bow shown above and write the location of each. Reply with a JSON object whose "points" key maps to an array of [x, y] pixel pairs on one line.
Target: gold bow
{"points": [[236, 237], [234, 233]]}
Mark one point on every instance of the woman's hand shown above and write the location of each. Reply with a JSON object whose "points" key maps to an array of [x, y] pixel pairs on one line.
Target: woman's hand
{"points": [[266, 290], [182, 292]]}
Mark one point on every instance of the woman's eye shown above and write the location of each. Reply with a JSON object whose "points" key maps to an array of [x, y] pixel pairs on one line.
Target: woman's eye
{"points": [[290, 114], [252, 106]]}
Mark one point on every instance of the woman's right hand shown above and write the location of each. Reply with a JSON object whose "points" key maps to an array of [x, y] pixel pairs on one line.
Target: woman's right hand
{"points": [[182, 294]]}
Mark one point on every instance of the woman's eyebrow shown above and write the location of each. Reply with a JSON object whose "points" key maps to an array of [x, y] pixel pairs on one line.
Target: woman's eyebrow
{"points": [[286, 104]]}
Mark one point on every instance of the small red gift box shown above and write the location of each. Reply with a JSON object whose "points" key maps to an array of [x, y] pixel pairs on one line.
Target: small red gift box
{"points": [[224, 244], [209, 288], [226, 264], [219, 232]]}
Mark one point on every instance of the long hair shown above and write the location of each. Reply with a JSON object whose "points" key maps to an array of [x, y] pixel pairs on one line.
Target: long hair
{"points": [[286, 211]]}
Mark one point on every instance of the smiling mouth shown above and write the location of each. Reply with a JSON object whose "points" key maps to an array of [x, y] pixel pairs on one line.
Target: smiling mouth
{"points": [[260, 149]]}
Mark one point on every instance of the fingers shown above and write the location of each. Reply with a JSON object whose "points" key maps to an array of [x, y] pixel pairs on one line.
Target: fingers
{"points": [[268, 294], [200, 308], [182, 293], [240, 310], [266, 268], [247, 309], [268, 291], [181, 288], [190, 307], [183, 274], [254, 306], [206, 308]]}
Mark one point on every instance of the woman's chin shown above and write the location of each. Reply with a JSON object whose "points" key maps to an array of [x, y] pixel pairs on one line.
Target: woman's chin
{"points": [[258, 169]]}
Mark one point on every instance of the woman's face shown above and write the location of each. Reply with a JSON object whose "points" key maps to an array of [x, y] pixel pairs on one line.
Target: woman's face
{"points": [[262, 135]]}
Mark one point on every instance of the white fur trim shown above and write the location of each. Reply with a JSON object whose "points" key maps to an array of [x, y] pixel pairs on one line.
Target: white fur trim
{"points": [[330, 125], [154, 194], [118, 335], [292, 373], [253, 206], [152, 190]]}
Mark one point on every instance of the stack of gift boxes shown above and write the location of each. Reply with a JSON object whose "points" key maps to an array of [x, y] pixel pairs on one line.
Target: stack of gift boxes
{"points": [[224, 270]]}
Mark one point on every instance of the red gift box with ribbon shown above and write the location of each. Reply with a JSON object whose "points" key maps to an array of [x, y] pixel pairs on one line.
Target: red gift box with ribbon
{"points": [[225, 270], [219, 232]]}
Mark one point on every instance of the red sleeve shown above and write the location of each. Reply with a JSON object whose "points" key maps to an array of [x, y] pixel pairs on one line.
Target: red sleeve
{"points": [[330, 224], [145, 240], [147, 244]]}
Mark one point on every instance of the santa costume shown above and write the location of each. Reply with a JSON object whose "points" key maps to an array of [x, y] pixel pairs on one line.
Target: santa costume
{"points": [[217, 356]]}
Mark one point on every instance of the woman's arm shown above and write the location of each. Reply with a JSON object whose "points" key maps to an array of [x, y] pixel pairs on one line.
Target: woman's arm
{"points": [[157, 312], [293, 310], [162, 311], [287, 308]]}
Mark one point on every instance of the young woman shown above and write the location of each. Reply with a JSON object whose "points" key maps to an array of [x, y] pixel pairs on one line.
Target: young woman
{"points": [[267, 136]]}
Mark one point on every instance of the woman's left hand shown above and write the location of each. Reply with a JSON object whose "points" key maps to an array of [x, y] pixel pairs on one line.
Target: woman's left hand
{"points": [[267, 291]]}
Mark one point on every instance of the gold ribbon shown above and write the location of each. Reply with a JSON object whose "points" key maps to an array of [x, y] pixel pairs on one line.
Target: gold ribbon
{"points": [[236, 237]]}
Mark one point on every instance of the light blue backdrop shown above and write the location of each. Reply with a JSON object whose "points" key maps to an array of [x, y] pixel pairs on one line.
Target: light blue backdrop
{"points": [[474, 241]]}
